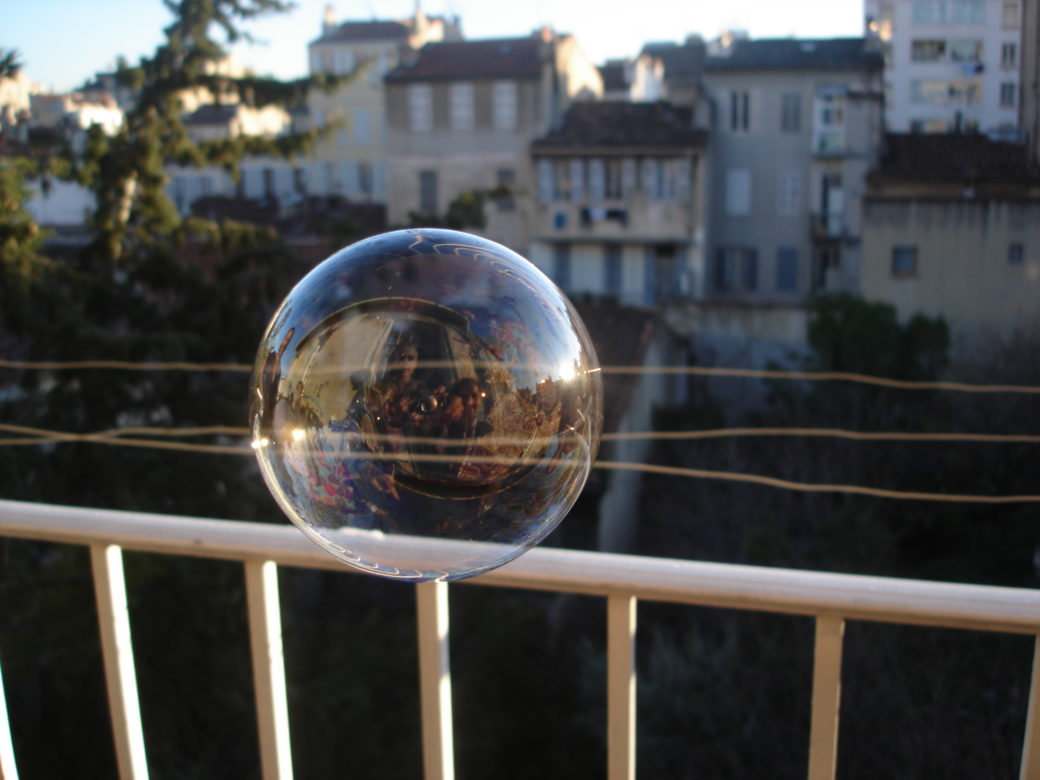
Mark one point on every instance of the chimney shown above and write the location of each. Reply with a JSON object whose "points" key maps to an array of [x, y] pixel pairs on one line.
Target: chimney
{"points": [[328, 23]]}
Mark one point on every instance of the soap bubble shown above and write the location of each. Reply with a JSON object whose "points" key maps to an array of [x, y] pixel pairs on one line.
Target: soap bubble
{"points": [[426, 405]]}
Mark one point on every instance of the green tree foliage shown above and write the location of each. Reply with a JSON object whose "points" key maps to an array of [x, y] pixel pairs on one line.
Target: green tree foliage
{"points": [[465, 212], [9, 64]]}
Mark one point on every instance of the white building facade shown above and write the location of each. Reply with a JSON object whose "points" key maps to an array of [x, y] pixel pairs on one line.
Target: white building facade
{"points": [[950, 65]]}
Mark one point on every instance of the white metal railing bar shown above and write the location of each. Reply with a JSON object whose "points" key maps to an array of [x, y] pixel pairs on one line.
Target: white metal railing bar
{"points": [[812, 593], [431, 601], [1030, 769], [8, 767], [826, 698], [117, 651], [621, 688], [265, 639], [830, 598]]}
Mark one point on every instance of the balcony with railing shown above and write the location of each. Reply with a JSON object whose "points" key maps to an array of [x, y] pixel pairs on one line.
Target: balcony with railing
{"points": [[623, 582]]}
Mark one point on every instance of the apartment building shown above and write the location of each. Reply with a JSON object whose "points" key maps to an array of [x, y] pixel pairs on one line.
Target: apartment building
{"points": [[620, 204], [951, 65], [462, 115], [796, 127], [352, 162]]}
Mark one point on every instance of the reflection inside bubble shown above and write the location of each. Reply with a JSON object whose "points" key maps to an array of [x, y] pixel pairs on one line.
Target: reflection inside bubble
{"points": [[426, 405]]}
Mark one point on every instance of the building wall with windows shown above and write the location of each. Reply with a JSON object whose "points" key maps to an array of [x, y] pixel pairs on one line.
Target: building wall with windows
{"points": [[974, 262], [796, 127], [952, 228], [950, 65], [1029, 115], [619, 207], [461, 117], [351, 162]]}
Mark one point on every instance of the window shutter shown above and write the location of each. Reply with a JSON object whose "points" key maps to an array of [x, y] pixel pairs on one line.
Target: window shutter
{"points": [[629, 176], [649, 177], [545, 181], [577, 180], [720, 269], [597, 181], [751, 269]]}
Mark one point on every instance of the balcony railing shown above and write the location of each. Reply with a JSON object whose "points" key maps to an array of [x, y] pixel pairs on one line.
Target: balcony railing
{"points": [[621, 580]]}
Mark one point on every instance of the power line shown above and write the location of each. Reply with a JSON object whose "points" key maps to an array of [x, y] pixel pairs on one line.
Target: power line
{"points": [[647, 468], [748, 373], [46, 435]]}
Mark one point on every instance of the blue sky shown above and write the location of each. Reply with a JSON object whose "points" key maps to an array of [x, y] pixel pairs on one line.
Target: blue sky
{"points": [[62, 42]]}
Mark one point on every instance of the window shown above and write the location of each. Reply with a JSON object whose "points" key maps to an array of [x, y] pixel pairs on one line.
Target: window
{"points": [[927, 51], [1016, 253], [833, 112], [967, 11], [1007, 94], [562, 265], [787, 269], [378, 68], [1009, 55], [1009, 16], [597, 180], [930, 11], [789, 193], [362, 126], [968, 50], [461, 106], [904, 261], [739, 106], [561, 179], [428, 192], [503, 105], [420, 108], [736, 269], [738, 192], [343, 61], [969, 91], [505, 179], [612, 269], [545, 181], [300, 180], [929, 91], [364, 173], [791, 112]]}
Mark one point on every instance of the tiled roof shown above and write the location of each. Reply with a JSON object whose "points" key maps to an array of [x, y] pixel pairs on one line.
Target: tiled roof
{"points": [[619, 123], [954, 157], [796, 54], [212, 114], [375, 30], [487, 59]]}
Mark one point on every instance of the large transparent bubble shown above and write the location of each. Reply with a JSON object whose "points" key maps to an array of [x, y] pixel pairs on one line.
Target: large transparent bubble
{"points": [[426, 405]]}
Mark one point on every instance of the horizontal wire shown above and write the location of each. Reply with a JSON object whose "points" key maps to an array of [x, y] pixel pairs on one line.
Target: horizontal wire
{"points": [[810, 376], [123, 365], [838, 433], [45, 435], [808, 487], [709, 433], [646, 468]]}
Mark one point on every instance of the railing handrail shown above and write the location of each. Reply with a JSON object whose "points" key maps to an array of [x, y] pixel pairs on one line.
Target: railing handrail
{"points": [[828, 597], [733, 586]]}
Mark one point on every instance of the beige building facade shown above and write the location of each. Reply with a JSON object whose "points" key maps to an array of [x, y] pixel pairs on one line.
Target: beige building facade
{"points": [[461, 118], [351, 162], [951, 228], [619, 211]]}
